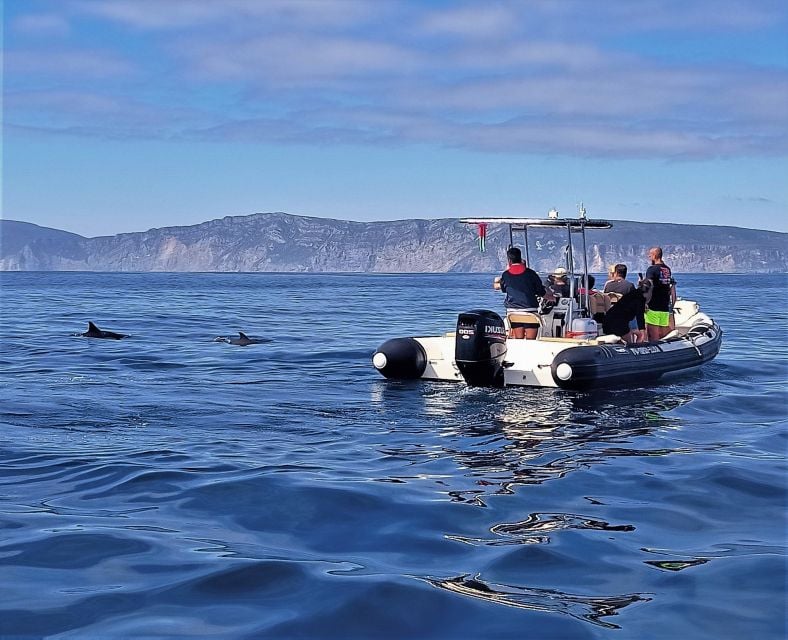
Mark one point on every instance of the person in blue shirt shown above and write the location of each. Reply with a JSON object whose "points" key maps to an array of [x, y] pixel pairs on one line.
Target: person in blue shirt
{"points": [[522, 287]]}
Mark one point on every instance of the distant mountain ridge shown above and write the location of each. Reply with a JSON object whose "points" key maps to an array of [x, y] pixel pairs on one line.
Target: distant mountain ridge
{"points": [[280, 242]]}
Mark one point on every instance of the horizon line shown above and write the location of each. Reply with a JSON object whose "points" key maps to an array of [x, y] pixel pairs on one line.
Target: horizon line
{"points": [[368, 222]]}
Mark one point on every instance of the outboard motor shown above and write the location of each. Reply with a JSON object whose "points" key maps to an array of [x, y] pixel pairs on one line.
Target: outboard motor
{"points": [[480, 347]]}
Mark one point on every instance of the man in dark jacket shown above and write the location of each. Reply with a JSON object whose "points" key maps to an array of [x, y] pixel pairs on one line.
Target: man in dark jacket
{"points": [[521, 286], [631, 306]]}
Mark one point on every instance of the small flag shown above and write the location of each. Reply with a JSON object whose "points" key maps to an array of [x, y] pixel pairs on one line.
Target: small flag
{"points": [[482, 236]]}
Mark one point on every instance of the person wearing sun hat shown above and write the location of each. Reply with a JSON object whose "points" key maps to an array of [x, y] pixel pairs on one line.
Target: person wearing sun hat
{"points": [[557, 283]]}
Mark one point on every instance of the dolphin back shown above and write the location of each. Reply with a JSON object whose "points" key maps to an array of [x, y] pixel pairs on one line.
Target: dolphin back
{"points": [[94, 332]]}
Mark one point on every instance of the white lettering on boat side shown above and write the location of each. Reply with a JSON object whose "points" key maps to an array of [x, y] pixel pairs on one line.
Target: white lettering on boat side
{"points": [[640, 351]]}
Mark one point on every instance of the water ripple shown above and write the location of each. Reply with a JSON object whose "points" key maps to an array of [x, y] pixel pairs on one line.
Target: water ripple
{"points": [[589, 608], [167, 485]]}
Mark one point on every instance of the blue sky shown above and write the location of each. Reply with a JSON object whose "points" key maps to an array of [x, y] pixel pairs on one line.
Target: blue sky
{"points": [[122, 115]]}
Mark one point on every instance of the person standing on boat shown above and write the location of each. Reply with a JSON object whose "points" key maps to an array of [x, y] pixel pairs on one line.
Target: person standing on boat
{"points": [[629, 310], [662, 295], [619, 284], [521, 286], [611, 275]]}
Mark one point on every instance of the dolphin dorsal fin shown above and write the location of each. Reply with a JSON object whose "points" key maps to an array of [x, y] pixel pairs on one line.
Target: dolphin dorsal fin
{"points": [[93, 327], [243, 335]]}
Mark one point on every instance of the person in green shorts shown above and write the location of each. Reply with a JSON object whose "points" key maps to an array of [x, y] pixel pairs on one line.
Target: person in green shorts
{"points": [[662, 295]]}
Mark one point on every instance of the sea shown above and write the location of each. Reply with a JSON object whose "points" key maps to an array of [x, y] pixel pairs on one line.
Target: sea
{"points": [[167, 485]]}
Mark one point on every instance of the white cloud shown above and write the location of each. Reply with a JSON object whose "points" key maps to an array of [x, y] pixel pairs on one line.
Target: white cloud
{"points": [[524, 53], [101, 114], [245, 14], [66, 63], [478, 20], [537, 76], [294, 60], [680, 15], [73, 102], [41, 25]]}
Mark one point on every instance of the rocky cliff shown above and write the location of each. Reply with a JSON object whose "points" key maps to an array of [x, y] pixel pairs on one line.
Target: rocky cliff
{"points": [[282, 242]]}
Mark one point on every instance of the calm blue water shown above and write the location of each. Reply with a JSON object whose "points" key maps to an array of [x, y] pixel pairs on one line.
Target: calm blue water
{"points": [[167, 485]]}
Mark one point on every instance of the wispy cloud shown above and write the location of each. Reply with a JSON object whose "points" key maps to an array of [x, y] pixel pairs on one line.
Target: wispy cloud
{"points": [[241, 14], [752, 199], [101, 114], [41, 25], [515, 77], [66, 63], [295, 60], [678, 15], [486, 21]]}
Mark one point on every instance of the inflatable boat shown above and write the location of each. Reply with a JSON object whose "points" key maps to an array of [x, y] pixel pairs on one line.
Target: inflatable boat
{"points": [[570, 351]]}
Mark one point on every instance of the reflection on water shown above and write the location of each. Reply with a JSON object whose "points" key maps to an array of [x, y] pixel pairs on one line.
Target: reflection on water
{"points": [[534, 529], [589, 608], [290, 491], [504, 439], [677, 565], [515, 436]]}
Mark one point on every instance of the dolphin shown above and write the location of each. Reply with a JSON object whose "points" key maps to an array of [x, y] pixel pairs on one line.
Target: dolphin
{"points": [[94, 332], [242, 340]]}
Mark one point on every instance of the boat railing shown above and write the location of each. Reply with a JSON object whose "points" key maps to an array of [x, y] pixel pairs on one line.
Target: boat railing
{"points": [[572, 225]]}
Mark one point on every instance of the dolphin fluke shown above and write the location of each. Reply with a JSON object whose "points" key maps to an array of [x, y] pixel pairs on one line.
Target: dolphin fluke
{"points": [[94, 332]]}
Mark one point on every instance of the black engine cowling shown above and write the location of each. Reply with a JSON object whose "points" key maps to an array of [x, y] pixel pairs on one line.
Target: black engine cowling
{"points": [[480, 347]]}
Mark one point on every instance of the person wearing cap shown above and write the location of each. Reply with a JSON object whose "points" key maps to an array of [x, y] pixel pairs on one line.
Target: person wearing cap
{"points": [[521, 286], [558, 284]]}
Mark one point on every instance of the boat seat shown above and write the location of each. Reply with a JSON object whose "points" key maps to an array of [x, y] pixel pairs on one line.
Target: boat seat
{"points": [[523, 316], [599, 303]]}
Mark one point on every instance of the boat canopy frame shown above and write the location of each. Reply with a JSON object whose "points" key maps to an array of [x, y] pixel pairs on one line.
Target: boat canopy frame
{"points": [[572, 225]]}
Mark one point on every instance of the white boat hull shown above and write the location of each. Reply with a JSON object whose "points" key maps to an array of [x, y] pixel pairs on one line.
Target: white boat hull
{"points": [[578, 364]]}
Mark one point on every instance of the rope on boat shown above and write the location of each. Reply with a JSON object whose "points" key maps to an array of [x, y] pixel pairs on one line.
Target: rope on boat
{"points": [[697, 332]]}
